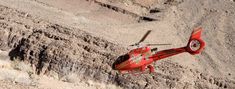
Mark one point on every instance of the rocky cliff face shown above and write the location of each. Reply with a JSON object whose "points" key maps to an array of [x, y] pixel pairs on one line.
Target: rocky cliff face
{"points": [[64, 50]]}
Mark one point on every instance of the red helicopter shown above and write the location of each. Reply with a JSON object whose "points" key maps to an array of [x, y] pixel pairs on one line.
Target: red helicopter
{"points": [[141, 58]]}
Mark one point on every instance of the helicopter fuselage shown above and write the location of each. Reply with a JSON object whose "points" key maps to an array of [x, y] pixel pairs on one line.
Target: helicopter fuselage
{"points": [[140, 58]]}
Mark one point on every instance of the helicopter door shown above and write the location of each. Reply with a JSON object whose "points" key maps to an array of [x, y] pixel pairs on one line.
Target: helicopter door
{"points": [[148, 54]]}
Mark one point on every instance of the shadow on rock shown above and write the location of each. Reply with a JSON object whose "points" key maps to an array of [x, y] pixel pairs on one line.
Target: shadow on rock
{"points": [[15, 53]]}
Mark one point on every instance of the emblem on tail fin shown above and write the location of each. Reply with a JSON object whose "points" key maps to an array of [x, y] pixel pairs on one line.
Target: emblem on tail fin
{"points": [[195, 44]]}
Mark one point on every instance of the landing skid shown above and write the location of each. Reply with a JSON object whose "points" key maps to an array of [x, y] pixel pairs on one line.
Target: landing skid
{"points": [[136, 72]]}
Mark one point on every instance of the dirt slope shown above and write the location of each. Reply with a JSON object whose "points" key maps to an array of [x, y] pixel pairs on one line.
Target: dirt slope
{"points": [[85, 37]]}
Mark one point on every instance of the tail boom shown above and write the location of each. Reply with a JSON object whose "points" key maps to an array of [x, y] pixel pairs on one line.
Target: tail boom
{"points": [[167, 53], [194, 46]]}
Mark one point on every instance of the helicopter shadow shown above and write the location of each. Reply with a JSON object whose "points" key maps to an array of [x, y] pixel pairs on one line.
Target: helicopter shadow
{"points": [[120, 59]]}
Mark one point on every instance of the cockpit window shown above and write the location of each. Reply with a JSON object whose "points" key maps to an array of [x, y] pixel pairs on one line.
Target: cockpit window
{"points": [[122, 59]]}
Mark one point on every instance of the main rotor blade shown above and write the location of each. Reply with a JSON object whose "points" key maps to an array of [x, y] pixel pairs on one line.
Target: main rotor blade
{"points": [[145, 35], [156, 44], [133, 44]]}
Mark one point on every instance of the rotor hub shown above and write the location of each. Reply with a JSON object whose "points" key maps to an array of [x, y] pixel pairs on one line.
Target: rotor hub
{"points": [[194, 45]]}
